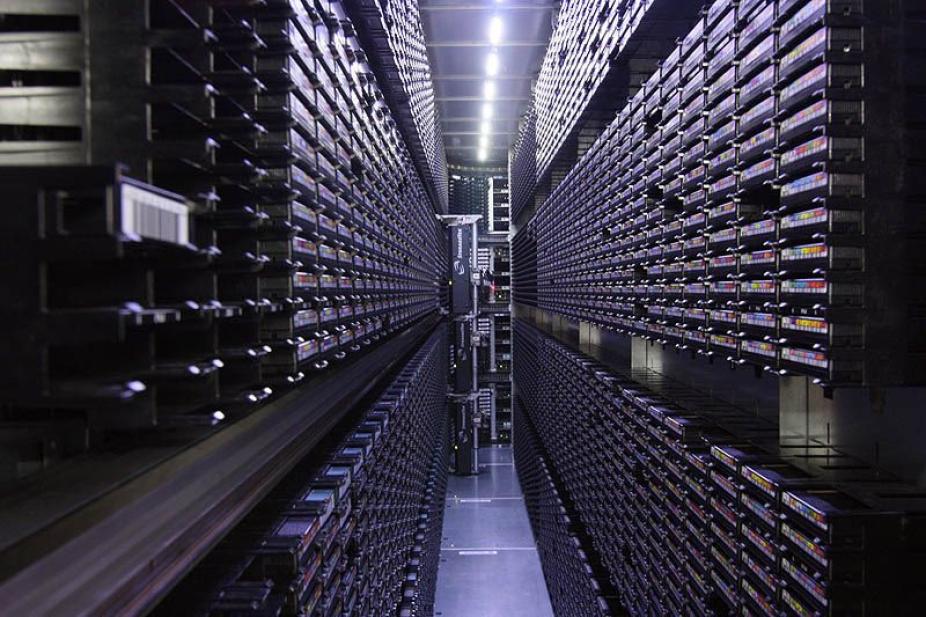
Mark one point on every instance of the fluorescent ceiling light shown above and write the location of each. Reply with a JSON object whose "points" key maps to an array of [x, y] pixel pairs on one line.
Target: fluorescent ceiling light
{"points": [[483, 154], [486, 111], [485, 127], [492, 64], [483, 142], [495, 30], [489, 90]]}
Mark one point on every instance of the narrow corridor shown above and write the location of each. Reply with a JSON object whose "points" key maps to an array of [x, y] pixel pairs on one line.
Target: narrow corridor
{"points": [[489, 563]]}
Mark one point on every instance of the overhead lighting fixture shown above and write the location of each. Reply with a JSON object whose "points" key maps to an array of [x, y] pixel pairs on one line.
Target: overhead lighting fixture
{"points": [[495, 30], [483, 142], [492, 64], [489, 90], [483, 154], [485, 127], [486, 111]]}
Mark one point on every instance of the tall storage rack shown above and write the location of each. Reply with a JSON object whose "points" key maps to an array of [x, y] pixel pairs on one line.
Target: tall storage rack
{"points": [[597, 52], [356, 529], [393, 30], [296, 236], [209, 203], [697, 508], [522, 163], [469, 194], [745, 207], [727, 208]]}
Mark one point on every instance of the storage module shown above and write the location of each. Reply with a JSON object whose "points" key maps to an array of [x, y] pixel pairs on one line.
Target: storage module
{"points": [[728, 208], [696, 508]]}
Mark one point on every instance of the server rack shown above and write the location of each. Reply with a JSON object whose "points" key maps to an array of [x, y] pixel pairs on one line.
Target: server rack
{"points": [[727, 209], [292, 239], [499, 204], [694, 507], [486, 194], [354, 530], [731, 211], [218, 232]]}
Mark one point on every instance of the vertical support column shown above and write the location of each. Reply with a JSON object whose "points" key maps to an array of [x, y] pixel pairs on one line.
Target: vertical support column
{"points": [[645, 355], [794, 407], [464, 300], [590, 337], [493, 422], [492, 358], [117, 114], [490, 227]]}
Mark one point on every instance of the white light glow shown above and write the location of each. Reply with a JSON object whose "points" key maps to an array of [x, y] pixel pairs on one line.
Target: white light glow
{"points": [[489, 90], [496, 26], [485, 127], [483, 154], [492, 64], [483, 142], [486, 111]]}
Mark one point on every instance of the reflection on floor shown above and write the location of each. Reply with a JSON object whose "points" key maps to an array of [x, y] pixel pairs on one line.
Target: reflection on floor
{"points": [[489, 564]]}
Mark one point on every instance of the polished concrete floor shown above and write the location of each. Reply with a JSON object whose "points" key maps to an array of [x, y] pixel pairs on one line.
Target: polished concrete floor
{"points": [[489, 564]]}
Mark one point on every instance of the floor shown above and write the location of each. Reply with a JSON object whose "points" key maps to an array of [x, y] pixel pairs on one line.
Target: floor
{"points": [[489, 564]]}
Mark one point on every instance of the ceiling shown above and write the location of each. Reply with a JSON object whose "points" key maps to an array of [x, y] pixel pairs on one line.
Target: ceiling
{"points": [[457, 33]]}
